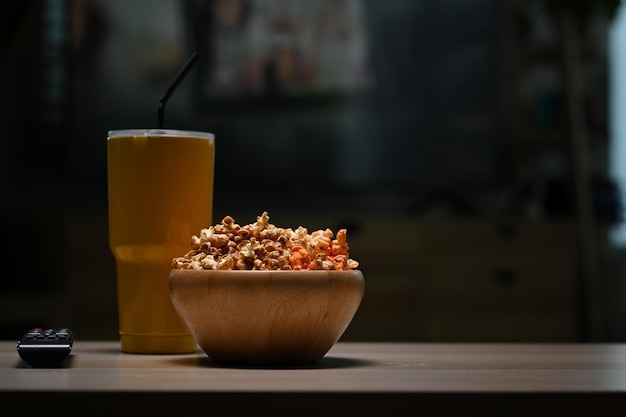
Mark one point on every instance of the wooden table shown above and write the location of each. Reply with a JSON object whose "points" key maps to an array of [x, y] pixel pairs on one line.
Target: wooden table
{"points": [[386, 379]]}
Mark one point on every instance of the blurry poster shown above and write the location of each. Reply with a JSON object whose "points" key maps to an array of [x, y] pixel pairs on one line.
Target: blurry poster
{"points": [[291, 47]]}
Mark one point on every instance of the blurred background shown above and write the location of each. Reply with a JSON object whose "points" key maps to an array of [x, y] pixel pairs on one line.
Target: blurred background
{"points": [[472, 148]]}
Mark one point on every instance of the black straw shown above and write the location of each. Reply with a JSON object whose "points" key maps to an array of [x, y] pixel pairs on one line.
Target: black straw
{"points": [[172, 87]]}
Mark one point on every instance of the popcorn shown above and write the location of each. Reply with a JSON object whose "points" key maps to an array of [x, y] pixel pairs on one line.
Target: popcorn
{"points": [[263, 246]]}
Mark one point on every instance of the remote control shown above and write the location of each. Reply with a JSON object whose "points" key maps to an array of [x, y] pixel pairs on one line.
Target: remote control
{"points": [[45, 347]]}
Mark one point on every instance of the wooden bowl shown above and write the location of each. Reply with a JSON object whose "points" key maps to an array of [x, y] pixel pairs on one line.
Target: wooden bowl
{"points": [[266, 317]]}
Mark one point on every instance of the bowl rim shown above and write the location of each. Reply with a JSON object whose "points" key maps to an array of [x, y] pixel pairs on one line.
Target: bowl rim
{"points": [[263, 275], [268, 270]]}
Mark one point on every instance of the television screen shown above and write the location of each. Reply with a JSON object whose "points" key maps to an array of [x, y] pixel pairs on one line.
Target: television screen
{"points": [[319, 96]]}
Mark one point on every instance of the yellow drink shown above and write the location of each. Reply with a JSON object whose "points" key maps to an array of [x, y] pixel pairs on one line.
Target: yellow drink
{"points": [[160, 194]]}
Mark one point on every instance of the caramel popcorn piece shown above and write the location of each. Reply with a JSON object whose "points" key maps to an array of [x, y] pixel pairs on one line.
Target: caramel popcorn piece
{"points": [[263, 246]]}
